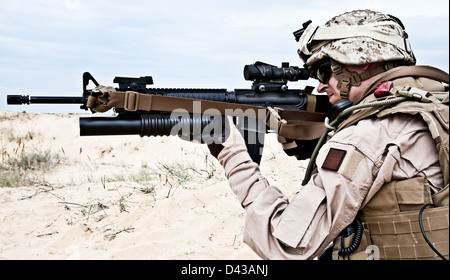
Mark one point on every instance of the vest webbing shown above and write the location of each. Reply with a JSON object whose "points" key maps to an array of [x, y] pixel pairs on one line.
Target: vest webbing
{"points": [[391, 223], [409, 71]]}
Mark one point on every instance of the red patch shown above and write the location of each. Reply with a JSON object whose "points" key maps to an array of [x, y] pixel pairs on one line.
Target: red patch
{"points": [[334, 159], [383, 89]]}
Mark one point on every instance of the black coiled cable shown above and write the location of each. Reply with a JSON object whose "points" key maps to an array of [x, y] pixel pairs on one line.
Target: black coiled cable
{"points": [[345, 251]]}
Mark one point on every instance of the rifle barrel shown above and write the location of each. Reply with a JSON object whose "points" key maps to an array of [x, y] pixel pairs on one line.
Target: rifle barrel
{"points": [[26, 99]]}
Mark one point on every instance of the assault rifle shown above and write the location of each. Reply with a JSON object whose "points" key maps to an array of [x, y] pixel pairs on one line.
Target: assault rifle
{"points": [[145, 111]]}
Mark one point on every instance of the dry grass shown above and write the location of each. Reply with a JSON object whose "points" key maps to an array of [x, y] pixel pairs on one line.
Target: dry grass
{"points": [[22, 167]]}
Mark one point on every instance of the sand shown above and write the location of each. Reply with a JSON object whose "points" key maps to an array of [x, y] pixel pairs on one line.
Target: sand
{"points": [[120, 197]]}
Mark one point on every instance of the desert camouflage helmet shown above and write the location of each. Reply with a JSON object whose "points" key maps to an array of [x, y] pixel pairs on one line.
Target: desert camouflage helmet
{"points": [[355, 38]]}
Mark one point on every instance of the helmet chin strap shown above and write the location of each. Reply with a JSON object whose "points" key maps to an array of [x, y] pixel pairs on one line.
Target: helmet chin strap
{"points": [[347, 79]]}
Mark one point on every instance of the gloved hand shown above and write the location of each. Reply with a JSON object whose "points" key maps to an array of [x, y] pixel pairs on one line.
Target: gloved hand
{"points": [[99, 104], [301, 149], [223, 134]]}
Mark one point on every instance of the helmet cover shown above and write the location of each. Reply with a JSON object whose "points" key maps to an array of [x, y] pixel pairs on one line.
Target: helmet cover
{"points": [[360, 48]]}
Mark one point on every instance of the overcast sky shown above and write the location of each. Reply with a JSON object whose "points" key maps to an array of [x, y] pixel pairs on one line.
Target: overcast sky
{"points": [[46, 45]]}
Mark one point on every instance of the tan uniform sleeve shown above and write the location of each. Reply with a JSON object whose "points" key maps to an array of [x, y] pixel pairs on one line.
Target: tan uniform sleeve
{"points": [[352, 166]]}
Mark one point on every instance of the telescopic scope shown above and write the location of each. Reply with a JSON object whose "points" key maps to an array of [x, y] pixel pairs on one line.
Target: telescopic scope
{"points": [[264, 72]]}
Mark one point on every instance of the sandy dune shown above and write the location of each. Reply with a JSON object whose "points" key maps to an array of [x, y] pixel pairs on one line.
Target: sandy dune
{"points": [[119, 197]]}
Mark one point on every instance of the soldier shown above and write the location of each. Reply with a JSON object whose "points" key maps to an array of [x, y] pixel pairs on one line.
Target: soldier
{"points": [[382, 171]]}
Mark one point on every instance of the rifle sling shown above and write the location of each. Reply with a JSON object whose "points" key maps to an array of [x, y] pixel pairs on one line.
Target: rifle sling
{"points": [[299, 125]]}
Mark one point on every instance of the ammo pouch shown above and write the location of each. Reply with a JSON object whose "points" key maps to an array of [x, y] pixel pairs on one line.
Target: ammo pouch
{"points": [[391, 224]]}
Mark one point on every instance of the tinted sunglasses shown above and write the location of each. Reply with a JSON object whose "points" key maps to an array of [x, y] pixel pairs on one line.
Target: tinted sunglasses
{"points": [[324, 72]]}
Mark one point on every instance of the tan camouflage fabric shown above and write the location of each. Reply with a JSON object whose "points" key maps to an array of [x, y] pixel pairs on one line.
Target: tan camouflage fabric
{"points": [[362, 50]]}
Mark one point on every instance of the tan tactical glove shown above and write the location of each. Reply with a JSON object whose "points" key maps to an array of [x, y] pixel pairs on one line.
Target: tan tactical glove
{"points": [[301, 149]]}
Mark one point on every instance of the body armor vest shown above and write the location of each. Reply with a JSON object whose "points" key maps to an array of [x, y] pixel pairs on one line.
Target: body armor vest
{"points": [[390, 221]]}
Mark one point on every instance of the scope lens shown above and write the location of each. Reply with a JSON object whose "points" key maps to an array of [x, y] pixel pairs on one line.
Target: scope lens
{"points": [[251, 72]]}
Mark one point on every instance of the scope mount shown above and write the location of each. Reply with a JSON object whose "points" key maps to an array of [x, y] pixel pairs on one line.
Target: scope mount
{"points": [[269, 86], [127, 83]]}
